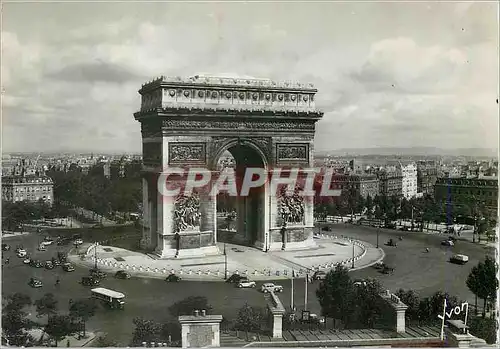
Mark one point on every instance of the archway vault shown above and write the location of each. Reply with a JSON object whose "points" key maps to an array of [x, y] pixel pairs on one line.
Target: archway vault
{"points": [[191, 123]]}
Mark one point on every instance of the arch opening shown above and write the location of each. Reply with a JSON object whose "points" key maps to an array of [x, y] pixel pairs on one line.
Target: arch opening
{"points": [[241, 219]]}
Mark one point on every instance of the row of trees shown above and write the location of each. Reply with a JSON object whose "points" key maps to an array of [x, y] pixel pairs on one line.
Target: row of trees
{"points": [[362, 307], [14, 214], [96, 192], [16, 325]]}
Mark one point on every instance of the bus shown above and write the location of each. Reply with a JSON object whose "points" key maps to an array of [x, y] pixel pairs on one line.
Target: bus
{"points": [[113, 299]]}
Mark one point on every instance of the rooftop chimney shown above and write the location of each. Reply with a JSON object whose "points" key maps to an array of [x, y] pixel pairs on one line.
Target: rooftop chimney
{"points": [[203, 312], [196, 313]]}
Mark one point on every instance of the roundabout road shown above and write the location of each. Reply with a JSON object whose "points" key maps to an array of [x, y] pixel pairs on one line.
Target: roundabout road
{"points": [[150, 298]]}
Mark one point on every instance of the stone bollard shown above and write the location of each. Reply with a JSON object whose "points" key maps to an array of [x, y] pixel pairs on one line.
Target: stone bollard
{"points": [[190, 272], [269, 273], [180, 272], [255, 272], [172, 271], [237, 272], [285, 272], [164, 271], [199, 272], [156, 270], [208, 272], [277, 273]]}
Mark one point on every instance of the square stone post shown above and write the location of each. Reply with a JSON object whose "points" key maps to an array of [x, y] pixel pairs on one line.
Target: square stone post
{"points": [[277, 310], [399, 309], [200, 330]]}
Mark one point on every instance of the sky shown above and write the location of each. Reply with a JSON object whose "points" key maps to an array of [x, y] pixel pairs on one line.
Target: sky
{"points": [[388, 74]]}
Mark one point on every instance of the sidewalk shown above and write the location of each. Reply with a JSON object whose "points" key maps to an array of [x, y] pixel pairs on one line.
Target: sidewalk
{"points": [[243, 260]]}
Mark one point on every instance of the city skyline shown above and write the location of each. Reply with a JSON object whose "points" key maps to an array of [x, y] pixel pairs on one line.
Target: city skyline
{"points": [[384, 79]]}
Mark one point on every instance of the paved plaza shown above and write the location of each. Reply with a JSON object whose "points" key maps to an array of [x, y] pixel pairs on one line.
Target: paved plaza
{"points": [[244, 260]]}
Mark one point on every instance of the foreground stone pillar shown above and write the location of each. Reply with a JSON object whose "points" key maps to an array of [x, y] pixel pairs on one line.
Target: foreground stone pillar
{"points": [[276, 310], [399, 309], [200, 330]]}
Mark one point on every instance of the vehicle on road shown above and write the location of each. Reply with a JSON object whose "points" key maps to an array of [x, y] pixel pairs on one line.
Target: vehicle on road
{"points": [[22, 253], [387, 270], [235, 278], [35, 283], [314, 318], [63, 241], [122, 274], [452, 238], [246, 284], [78, 242], [49, 265], [447, 243], [47, 241], [36, 264], [56, 261], [459, 259], [268, 287], [319, 275], [27, 261], [360, 282], [68, 267], [392, 243], [97, 273], [5, 247], [113, 299], [90, 281], [173, 278], [326, 228], [41, 248]]}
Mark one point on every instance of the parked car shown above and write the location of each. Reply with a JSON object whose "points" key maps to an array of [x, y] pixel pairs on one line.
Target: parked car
{"points": [[35, 283], [459, 259], [379, 265], [268, 287], [22, 253], [319, 275], [36, 264], [447, 243], [122, 274], [90, 281], [246, 284], [68, 267], [56, 262], [173, 278], [49, 265], [5, 247], [235, 278]]}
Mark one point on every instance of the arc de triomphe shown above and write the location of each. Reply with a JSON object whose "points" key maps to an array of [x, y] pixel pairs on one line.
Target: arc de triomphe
{"points": [[190, 123]]}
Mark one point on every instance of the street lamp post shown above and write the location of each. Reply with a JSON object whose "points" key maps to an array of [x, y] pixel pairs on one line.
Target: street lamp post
{"points": [[225, 262], [378, 231], [95, 256]]}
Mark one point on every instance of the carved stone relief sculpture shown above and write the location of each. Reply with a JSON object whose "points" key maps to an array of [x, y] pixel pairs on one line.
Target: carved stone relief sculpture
{"points": [[291, 208], [187, 213], [186, 152], [292, 152]]}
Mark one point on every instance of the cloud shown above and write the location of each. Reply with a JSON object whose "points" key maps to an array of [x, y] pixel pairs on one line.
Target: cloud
{"points": [[380, 83]]}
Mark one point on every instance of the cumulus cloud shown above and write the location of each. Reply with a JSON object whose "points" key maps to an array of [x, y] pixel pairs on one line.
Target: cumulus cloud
{"points": [[380, 84]]}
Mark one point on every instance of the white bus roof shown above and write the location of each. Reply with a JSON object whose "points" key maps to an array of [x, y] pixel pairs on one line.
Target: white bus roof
{"points": [[109, 293]]}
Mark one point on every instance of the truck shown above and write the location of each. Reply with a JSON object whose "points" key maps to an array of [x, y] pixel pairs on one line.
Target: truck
{"points": [[113, 299]]}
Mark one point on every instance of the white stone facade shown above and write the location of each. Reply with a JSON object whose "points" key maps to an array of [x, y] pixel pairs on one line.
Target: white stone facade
{"points": [[409, 173]]}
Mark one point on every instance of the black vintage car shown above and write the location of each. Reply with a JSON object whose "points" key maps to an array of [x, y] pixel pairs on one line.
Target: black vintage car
{"points": [[391, 242], [122, 274], [96, 273], [90, 281], [173, 278], [5, 247], [235, 278]]}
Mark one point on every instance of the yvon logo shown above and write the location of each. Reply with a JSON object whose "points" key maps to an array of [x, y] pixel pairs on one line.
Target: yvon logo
{"points": [[453, 311]]}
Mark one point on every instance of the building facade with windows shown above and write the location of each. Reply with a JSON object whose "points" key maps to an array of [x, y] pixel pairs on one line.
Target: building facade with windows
{"points": [[27, 188], [364, 185], [461, 191], [426, 179], [409, 180], [391, 184]]}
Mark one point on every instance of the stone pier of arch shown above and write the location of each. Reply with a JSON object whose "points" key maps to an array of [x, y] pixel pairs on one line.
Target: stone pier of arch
{"points": [[189, 123]]}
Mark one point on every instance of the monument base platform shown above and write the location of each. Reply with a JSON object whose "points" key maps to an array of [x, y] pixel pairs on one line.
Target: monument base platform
{"points": [[290, 246], [188, 253]]}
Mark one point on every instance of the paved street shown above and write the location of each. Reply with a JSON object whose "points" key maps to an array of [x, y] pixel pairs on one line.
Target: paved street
{"points": [[150, 298]]}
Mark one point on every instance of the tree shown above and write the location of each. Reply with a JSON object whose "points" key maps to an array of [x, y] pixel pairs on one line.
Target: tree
{"points": [[367, 305], [17, 302], [335, 294], [410, 299], [47, 305], [58, 327], [369, 206], [82, 309], [485, 328], [188, 305], [431, 307], [249, 318], [482, 281], [145, 331]]}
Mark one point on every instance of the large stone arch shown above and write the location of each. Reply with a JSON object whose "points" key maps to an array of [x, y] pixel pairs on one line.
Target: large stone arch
{"points": [[189, 123]]}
